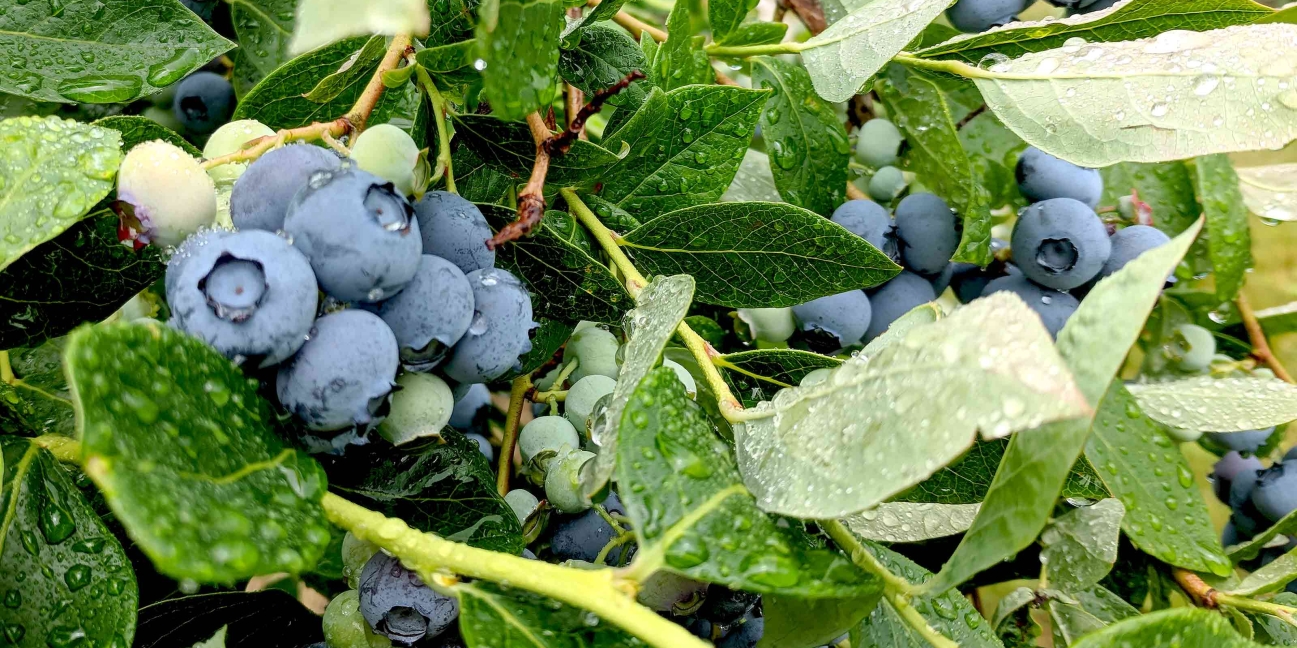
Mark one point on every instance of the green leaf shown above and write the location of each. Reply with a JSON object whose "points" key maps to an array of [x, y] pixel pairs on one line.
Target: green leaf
{"points": [[757, 375], [1080, 547], [279, 101], [1070, 622], [948, 613], [180, 444], [604, 56], [106, 52], [449, 58], [807, 141], [755, 255], [215, 641], [82, 275], [800, 623], [63, 576], [545, 342], [356, 68], [566, 283], [1094, 343], [518, 41], [611, 215], [1186, 627], [444, 486], [494, 615], [847, 54], [726, 16], [1134, 19], [321, 22], [52, 171], [37, 402], [901, 327], [478, 181], [267, 618], [685, 147], [507, 147], [680, 59], [1252, 548], [757, 33], [1145, 470], [1161, 110], [871, 431], [1269, 188], [754, 181], [1228, 238], [1268, 579], [659, 309], [1218, 404], [993, 151], [967, 479], [265, 28], [923, 113], [689, 508], [601, 11], [910, 522], [135, 130]]}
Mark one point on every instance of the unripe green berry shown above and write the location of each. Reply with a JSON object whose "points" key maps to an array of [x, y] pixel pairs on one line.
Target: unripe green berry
{"points": [[226, 140], [344, 627], [596, 348], [355, 553], [522, 502], [420, 408], [389, 153], [163, 117], [769, 324], [169, 193], [563, 488], [1193, 347], [665, 591], [887, 183], [546, 433], [878, 143], [582, 396]]}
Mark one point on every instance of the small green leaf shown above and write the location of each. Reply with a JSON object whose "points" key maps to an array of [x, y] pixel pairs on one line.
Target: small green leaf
{"points": [[685, 147], [799, 622], [755, 255], [683, 492], [1273, 577], [726, 16], [356, 68], [806, 140], [180, 443], [267, 618], [114, 52], [1134, 19], [52, 171], [321, 22], [269, 24], [1070, 622], [847, 54], [1252, 548], [1269, 188], [494, 615], [967, 479], [449, 58], [566, 283], [909, 522], [63, 575], [659, 309], [935, 154], [604, 56], [680, 59], [1143, 468], [507, 147], [757, 33], [1228, 238], [1080, 547], [1218, 404], [545, 342], [444, 486], [136, 130], [1185, 626], [758, 374], [849, 443], [601, 11], [518, 41], [37, 402]]}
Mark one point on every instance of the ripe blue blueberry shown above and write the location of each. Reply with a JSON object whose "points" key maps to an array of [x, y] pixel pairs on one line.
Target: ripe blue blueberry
{"points": [[895, 298], [724, 606], [430, 314], [1042, 176], [665, 591], [397, 605], [1128, 243], [974, 16], [1060, 243], [262, 194], [745, 635], [868, 220], [967, 280], [499, 330], [1098, 5], [203, 8], [204, 101], [1229, 465], [483, 445], [1248, 441], [360, 235], [454, 229], [582, 536], [469, 400], [343, 374], [1275, 495], [842, 318], [928, 232], [248, 294], [1246, 519], [1053, 307], [878, 143]]}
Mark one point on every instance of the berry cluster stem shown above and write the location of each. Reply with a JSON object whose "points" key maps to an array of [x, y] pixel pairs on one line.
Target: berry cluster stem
{"points": [[1260, 345], [1210, 598], [517, 399], [439, 109]]}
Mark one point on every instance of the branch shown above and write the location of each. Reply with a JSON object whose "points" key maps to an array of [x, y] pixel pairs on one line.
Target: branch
{"points": [[854, 192], [1256, 335], [368, 100], [559, 144], [517, 399], [972, 114], [811, 14], [531, 200], [637, 27]]}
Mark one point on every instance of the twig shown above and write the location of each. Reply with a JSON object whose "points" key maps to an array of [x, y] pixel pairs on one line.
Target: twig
{"points": [[368, 100], [1210, 598], [517, 398], [1256, 335], [531, 200], [573, 98], [972, 114], [723, 79], [811, 14], [854, 192], [638, 27], [1193, 584], [559, 144]]}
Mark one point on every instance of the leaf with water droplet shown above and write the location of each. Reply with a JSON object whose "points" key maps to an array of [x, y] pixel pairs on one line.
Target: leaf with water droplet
{"points": [[209, 492], [1159, 115], [758, 374], [1219, 404], [703, 523], [791, 621], [1168, 189], [604, 56], [320, 22], [1228, 239], [911, 522], [754, 181], [507, 147], [494, 615], [518, 41], [1268, 180], [47, 580], [757, 255], [1080, 547], [359, 65], [879, 426], [1183, 627]]}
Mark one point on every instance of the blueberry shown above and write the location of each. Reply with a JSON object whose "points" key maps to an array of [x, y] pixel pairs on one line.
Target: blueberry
{"points": [[499, 330], [582, 396], [1229, 465], [974, 16], [355, 555], [887, 183], [1097, 5], [843, 317], [747, 634], [581, 537], [868, 220], [1248, 441], [262, 194], [204, 101], [522, 502], [1128, 243], [700, 628], [563, 480], [895, 298], [203, 8], [421, 407], [1192, 347], [343, 373], [1042, 176], [167, 191], [1246, 519], [483, 445], [968, 280], [1290, 454], [928, 232], [725, 606], [397, 605], [229, 139], [596, 350], [1060, 243], [1275, 495], [345, 627], [389, 153], [431, 313], [550, 433], [469, 400], [878, 143], [248, 294], [1053, 307], [769, 324], [360, 235], [665, 591], [454, 229], [1229, 535]]}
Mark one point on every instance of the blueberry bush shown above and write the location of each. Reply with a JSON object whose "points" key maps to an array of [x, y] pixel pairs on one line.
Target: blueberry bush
{"points": [[561, 323]]}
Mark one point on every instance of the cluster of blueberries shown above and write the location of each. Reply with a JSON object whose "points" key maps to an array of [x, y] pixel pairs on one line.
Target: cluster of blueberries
{"points": [[974, 16], [1258, 496], [1059, 249]]}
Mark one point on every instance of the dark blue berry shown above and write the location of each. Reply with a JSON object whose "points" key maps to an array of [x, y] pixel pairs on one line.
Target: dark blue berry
{"points": [[928, 232], [895, 298], [1042, 176], [1060, 243], [204, 101]]}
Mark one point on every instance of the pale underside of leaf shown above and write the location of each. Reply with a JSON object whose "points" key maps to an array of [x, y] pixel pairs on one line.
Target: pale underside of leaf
{"points": [[1219, 405], [1080, 547], [1270, 191], [912, 522], [1179, 95], [320, 22]]}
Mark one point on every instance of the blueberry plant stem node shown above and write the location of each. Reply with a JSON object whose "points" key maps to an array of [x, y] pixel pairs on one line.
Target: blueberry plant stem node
{"points": [[1211, 598]]}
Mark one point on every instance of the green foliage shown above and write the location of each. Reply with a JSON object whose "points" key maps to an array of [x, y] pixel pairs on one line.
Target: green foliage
{"points": [[1186, 627], [518, 41], [137, 130], [1228, 239], [493, 615], [603, 56], [507, 147], [38, 401], [755, 376]]}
